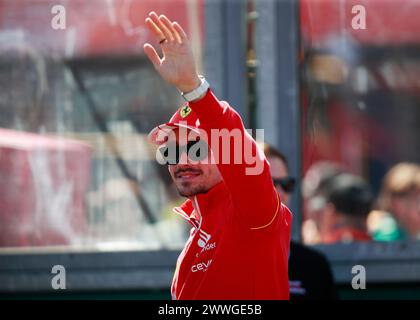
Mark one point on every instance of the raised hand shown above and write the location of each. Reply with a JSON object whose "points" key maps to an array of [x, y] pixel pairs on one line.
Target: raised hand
{"points": [[177, 66]]}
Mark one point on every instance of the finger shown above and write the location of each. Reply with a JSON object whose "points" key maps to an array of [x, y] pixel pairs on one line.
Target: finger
{"points": [[166, 33], [155, 29], [166, 29], [169, 25], [180, 31], [152, 54]]}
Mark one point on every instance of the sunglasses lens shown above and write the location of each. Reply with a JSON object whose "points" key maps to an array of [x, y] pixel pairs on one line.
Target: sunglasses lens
{"points": [[170, 154], [287, 184], [197, 150]]}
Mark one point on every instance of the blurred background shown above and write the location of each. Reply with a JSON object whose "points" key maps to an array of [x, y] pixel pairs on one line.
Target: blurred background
{"points": [[335, 84]]}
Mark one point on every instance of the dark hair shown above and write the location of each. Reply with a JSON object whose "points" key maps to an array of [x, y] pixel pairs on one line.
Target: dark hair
{"points": [[350, 194], [270, 151]]}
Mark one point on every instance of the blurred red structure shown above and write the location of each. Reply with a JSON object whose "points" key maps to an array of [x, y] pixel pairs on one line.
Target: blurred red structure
{"points": [[94, 27], [348, 134], [43, 182], [322, 20]]}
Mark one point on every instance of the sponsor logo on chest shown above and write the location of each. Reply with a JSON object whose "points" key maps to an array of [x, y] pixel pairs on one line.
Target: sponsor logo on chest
{"points": [[204, 237], [202, 266], [203, 242]]}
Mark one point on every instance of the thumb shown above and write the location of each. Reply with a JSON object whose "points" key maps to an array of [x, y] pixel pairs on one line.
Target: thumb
{"points": [[152, 54]]}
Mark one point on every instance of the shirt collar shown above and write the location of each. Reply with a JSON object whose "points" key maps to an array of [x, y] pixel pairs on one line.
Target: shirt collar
{"points": [[205, 202]]}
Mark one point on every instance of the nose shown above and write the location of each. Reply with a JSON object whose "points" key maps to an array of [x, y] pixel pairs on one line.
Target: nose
{"points": [[183, 158]]}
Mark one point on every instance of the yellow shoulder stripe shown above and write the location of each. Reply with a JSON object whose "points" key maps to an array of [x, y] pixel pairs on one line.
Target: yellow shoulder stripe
{"points": [[275, 214]]}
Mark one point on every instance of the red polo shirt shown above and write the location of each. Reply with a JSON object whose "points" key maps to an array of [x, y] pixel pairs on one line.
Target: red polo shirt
{"points": [[239, 242]]}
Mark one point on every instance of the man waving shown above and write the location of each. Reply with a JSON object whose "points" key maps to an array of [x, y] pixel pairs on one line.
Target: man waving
{"points": [[239, 242]]}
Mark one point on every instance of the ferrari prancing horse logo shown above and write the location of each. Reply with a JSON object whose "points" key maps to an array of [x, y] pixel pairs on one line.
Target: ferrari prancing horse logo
{"points": [[185, 111]]}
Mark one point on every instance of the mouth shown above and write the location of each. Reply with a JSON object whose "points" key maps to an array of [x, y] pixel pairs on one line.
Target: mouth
{"points": [[187, 175]]}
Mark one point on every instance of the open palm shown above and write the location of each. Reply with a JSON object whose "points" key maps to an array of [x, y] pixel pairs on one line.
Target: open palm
{"points": [[177, 66]]}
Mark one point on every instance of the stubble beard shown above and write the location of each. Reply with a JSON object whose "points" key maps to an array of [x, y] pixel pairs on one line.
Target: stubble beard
{"points": [[188, 190]]}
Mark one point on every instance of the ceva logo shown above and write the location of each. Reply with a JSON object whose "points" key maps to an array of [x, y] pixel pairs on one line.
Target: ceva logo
{"points": [[204, 238], [202, 266]]}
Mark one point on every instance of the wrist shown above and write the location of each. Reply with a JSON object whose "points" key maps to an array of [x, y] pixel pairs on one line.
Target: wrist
{"points": [[190, 86], [198, 92]]}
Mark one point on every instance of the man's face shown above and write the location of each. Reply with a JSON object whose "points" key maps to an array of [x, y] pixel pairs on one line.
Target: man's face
{"points": [[278, 170], [192, 178]]}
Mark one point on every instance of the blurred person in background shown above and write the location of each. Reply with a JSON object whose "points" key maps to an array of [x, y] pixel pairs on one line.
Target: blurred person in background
{"points": [[398, 217], [310, 275], [344, 207], [313, 191]]}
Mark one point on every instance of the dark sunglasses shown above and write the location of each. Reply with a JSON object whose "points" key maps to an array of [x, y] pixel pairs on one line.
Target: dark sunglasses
{"points": [[287, 184], [195, 150]]}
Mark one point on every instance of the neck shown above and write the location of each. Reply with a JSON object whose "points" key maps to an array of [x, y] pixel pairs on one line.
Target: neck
{"points": [[209, 198]]}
